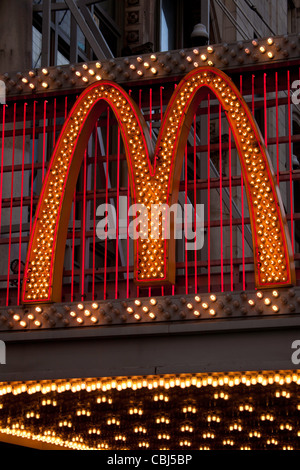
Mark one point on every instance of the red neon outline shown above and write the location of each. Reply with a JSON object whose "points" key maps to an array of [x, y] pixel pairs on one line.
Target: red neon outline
{"points": [[146, 151]]}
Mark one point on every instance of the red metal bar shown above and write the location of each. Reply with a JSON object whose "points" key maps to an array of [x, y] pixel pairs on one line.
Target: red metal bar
{"points": [[150, 112], [21, 204], [277, 130], [54, 122], [265, 109], [242, 204], [290, 160], [106, 202], [221, 194], [2, 160], [117, 217], [44, 139], [230, 211], [73, 246], [208, 193], [185, 221], [127, 238], [32, 163], [94, 215], [253, 93], [195, 206], [83, 228], [11, 200]]}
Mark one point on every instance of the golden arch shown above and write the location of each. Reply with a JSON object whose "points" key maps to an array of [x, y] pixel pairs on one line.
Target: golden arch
{"points": [[156, 180]]}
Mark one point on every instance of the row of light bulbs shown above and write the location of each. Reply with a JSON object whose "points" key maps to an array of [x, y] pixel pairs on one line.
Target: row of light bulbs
{"points": [[156, 64]]}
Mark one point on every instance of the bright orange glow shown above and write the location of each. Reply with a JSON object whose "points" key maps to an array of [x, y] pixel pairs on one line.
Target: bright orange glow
{"points": [[156, 181]]}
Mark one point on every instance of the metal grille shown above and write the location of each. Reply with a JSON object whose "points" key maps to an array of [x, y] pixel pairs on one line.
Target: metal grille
{"points": [[211, 175]]}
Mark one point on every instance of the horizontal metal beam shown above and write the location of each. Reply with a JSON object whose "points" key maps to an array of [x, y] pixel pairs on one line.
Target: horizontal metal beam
{"points": [[237, 345]]}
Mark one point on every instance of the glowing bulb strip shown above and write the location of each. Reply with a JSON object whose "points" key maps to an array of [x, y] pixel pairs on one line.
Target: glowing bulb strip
{"points": [[157, 184]]}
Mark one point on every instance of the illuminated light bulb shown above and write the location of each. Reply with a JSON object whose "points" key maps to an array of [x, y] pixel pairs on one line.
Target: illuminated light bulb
{"points": [[45, 71], [138, 303], [270, 41], [203, 57], [145, 309], [213, 297], [79, 320], [16, 317], [275, 293], [87, 313], [153, 70], [30, 316], [251, 302], [32, 86], [205, 305], [267, 301], [210, 62], [98, 65], [247, 51], [85, 66], [130, 310], [140, 73], [146, 65], [255, 43], [275, 308], [260, 295], [152, 315], [78, 73], [197, 313], [23, 323], [212, 311], [189, 59], [270, 55], [153, 301], [189, 306], [95, 305], [85, 79], [98, 77], [91, 72], [262, 49], [72, 313], [80, 306], [210, 49], [24, 80], [132, 66], [153, 57], [137, 316], [197, 298], [94, 319], [195, 51], [45, 85]]}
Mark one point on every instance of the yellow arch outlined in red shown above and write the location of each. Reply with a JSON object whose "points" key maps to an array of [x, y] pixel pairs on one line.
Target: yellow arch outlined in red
{"points": [[156, 183]]}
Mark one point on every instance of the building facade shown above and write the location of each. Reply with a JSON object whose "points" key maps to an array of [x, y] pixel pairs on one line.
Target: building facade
{"points": [[182, 343]]}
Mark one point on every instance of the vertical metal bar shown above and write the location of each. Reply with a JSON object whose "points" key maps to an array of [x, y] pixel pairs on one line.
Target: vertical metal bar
{"points": [[195, 207], [83, 227], [265, 109], [127, 238], [94, 215], [2, 159], [106, 202], [11, 202], [150, 112], [290, 158], [185, 222], [44, 139], [73, 246], [46, 18], [277, 129], [117, 217], [21, 203], [230, 210], [208, 193], [221, 191], [242, 206], [73, 41], [32, 163], [54, 122], [253, 94]]}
